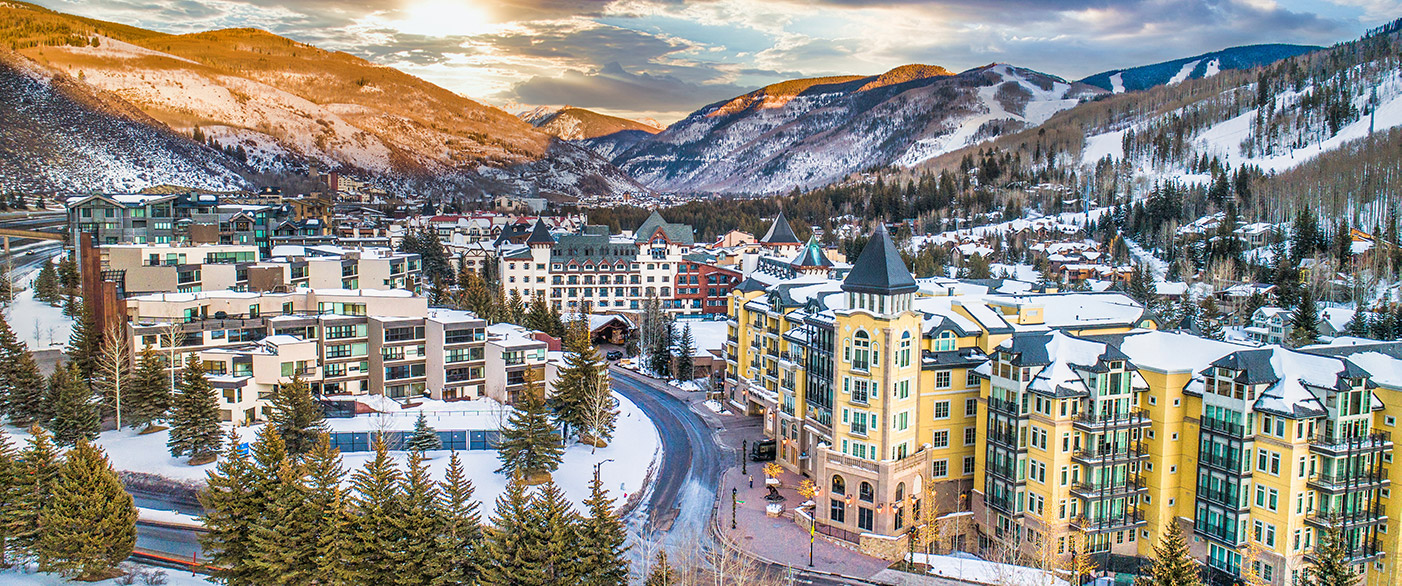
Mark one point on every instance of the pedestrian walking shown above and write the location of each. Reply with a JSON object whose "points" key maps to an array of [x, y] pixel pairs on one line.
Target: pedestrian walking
{"points": [[752, 481]]}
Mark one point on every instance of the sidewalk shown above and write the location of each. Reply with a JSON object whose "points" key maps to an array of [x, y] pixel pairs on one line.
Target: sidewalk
{"points": [[780, 539]]}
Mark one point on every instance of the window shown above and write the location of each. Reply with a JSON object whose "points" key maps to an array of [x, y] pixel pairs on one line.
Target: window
{"points": [[970, 405], [864, 519], [968, 465], [941, 409], [861, 351], [838, 512], [945, 342], [942, 379], [904, 356], [940, 439], [939, 468], [839, 486], [865, 492], [970, 435]]}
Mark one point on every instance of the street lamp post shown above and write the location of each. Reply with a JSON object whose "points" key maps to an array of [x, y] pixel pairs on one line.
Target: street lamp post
{"points": [[733, 499], [744, 449], [597, 466]]}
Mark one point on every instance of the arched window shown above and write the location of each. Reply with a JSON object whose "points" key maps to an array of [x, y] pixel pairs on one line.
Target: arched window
{"points": [[865, 492], [905, 349], [839, 486], [861, 351], [900, 491], [945, 342]]}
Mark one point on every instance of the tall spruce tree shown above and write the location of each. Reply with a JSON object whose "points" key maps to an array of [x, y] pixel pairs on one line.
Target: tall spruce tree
{"points": [[603, 540], [194, 419], [686, 347], [149, 398], [297, 417], [375, 537], [89, 523], [280, 533], [662, 573], [574, 389], [1304, 321], [11, 479], [424, 438], [1210, 319], [231, 510], [1331, 566], [39, 465], [460, 539], [530, 447], [510, 552], [26, 394], [324, 500], [74, 412], [418, 523], [85, 346], [46, 285], [554, 525], [1173, 564]]}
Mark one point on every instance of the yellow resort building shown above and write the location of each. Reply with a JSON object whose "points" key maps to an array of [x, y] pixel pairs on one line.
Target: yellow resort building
{"points": [[1045, 426]]}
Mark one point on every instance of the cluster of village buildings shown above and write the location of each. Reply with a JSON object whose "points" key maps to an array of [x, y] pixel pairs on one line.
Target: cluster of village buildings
{"points": [[1046, 419]]}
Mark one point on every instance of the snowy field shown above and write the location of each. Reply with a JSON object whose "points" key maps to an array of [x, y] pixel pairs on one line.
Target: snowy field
{"points": [[35, 323], [634, 449], [974, 570], [28, 577]]}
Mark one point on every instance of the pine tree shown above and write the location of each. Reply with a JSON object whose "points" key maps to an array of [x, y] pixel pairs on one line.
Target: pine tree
{"points": [[278, 537], [1210, 319], [75, 414], [603, 539], [296, 416], [39, 467], [314, 540], [418, 524], [89, 523], [510, 551], [685, 349], [662, 573], [335, 548], [1141, 284], [149, 398], [231, 510], [194, 419], [424, 437], [530, 446], [538, 315], [22, 388], [46, 285], [555, 533], [1331, 567], [11, 479], [460, 540], [1173, 564], [85, 346], [68, 278], [1304, 321], [570, 404], [374, 534]]}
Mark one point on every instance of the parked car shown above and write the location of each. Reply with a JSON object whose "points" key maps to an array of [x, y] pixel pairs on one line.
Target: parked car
{"points": [[763, 451], [614, 355]]}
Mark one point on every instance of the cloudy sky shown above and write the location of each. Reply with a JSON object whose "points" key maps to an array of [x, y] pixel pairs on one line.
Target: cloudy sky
{"points": [[664, 58]]}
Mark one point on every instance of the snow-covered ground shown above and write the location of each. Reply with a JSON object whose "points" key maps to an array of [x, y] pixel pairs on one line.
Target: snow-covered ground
{"points": [[634, 448], [709, 335], [974, 570], [28, 577], [35, 323], [1155, 264]]}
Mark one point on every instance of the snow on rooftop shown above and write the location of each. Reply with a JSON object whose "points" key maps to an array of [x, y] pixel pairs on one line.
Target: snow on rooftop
{"points": [[1174, 352]]}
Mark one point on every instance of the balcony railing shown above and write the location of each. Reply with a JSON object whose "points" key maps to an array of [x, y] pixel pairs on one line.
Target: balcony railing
{"points": [[1370, 515], [1004, 406], [1092, 491], [1367, 549], [1375, 441], [1227, 462], [1227, 427], [1349, 481], [1129, 518], [1131, 418], [1227, 498], [1224, 532], [1107, 453]]}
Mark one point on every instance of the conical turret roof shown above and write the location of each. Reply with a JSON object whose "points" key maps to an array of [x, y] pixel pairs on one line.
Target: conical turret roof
{"points": [[811, 255], [540, 234], [780, 232], [879, 269]]}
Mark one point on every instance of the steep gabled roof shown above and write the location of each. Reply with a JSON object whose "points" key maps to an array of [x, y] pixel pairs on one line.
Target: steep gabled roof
{"points": [[811, 255], [540, 234], [780, 232], [676, 233], [649, 226], [879, 269]]}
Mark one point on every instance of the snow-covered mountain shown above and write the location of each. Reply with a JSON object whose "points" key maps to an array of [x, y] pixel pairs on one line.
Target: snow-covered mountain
{"points": [[810, 132], [57, 133], [570, 123], [287, 104], [1204, 65]]}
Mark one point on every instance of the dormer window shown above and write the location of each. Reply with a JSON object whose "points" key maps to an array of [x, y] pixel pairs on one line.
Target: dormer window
{"points": [[945, 341]]}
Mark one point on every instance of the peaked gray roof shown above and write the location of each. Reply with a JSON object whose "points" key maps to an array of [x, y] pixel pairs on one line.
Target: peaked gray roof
{"points": [[780, 232], [879, 269], [540, 234], [811, 255], [679, 233]]}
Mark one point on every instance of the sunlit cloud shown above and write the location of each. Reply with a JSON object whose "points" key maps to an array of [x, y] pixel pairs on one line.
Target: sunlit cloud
{"points": [[664, 58]]}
